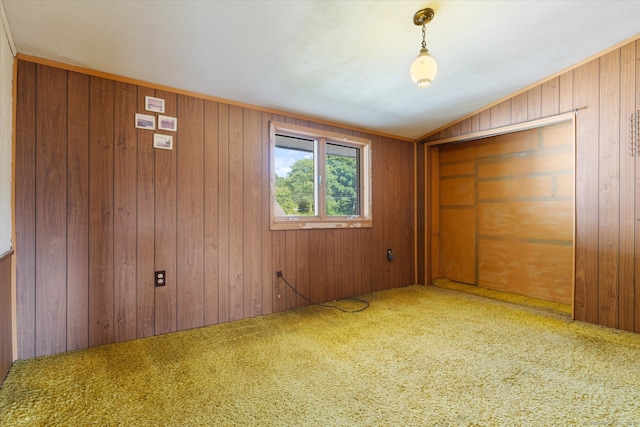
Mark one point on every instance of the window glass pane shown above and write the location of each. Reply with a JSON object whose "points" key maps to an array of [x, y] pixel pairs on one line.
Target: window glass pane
{"points": [[342, 180], [294, 167]]}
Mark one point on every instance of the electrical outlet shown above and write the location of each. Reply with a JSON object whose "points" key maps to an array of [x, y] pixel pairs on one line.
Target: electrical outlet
{"points": [[278, 273], [390, 255], [161, 278]]}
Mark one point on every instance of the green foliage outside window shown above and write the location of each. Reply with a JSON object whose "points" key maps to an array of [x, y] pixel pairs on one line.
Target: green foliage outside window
{"points": [[295, 193], [342, 190]]}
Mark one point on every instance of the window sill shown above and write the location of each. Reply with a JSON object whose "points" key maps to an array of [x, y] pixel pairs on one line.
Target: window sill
{"points": [[302, 224]]}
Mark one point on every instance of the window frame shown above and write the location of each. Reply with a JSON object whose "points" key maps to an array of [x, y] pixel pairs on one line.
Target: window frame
{"points": [[322, 220]]}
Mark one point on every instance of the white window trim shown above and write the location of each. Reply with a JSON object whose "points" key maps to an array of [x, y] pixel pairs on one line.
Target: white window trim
{"points": [[364, 220]]}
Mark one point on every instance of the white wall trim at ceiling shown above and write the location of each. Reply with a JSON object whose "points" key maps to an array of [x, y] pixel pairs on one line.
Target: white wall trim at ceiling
{"points": [[7, 30]]}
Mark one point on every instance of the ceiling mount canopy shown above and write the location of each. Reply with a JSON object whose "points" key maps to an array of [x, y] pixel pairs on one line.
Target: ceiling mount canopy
{"points": [[424, 67], [423, 16]]}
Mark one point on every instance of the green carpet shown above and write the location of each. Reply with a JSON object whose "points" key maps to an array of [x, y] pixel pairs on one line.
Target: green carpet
{"points": [[418, 356]]}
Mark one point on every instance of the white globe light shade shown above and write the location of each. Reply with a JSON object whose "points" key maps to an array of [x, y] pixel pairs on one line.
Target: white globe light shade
{"points": [[424, 69]]}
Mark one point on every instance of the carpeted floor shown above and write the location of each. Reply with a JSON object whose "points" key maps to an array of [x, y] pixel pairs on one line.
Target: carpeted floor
{"points": [[418, 356], [520, 300]]}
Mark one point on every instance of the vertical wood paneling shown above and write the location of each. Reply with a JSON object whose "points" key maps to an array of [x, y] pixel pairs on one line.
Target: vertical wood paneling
{"points": [[465, 126], [408, 238], [317, 252], [433, 160], [534, 103], [485, 119], [566, 92], [423, 218], [166, 226], [101, 148], [125, 174], [302, 266], [190, 211], [475, 123], [604, 92], [347, 265], [501, 114], [357, 262], [637, 210], [290, 269], [367, 265], [586, 94], [387, 200], [252, 215], [236, 213], [519, 108], [25, 202], [339, 264], [550, 98], [145, 226], [347, 256], [627, 190], [211, 214], [223, 213], [279, 245], [609, 189], [397, 215], [377, 239], [78, 213], [199, 212], [51, 215], [330, 264], [268, 273]]}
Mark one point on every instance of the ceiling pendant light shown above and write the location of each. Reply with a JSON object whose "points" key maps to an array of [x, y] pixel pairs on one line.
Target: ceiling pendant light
{"points": [[424, 67]]}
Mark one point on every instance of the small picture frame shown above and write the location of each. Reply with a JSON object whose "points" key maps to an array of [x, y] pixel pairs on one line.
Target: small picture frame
{"points": [[145, 121], [167, 123], [162, 141], [154, 104]]}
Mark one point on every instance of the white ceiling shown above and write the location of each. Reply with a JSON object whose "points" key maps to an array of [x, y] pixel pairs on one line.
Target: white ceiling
{"points": [[340, 61]]}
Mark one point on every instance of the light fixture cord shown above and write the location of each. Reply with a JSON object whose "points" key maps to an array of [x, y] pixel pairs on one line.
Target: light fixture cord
{"points": [[424, 43]]}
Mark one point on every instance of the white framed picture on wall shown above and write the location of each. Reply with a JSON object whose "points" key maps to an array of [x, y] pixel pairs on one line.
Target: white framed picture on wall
{"points": [[167, 123], [145, 121], [164, 142], [154, 104]]}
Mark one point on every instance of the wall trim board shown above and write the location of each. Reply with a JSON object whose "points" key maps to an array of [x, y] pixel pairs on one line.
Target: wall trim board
{"points": [[533, 85], [122, 79], [415, 213], [14, 107], [551, 120]]}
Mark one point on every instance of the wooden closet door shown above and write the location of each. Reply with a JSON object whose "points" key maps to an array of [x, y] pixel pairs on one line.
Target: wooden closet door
{"points": [[457, 216]]}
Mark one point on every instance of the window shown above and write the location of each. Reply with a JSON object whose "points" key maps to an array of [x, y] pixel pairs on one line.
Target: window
{"points": [[319, 179]]}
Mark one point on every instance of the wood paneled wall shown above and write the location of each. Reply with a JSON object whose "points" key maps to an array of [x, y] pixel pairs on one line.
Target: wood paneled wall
{"points": [[605, 92], [506, 212], [98, 210], [6, 327]]}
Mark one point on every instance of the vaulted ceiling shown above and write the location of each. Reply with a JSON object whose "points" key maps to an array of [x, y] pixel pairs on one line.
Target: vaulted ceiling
{"points": [[340, 61]]}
